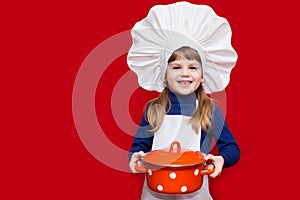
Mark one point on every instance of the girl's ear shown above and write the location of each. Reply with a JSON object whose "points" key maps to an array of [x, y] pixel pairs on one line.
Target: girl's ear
{"points": [[166, 83], [201, 81]]}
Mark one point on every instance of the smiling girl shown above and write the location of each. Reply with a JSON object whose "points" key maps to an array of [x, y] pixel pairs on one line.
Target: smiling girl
{"points": [[199, 65], [184, 102]]}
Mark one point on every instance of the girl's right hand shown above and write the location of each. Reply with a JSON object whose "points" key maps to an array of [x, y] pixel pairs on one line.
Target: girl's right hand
{"points": [[135, 159]]}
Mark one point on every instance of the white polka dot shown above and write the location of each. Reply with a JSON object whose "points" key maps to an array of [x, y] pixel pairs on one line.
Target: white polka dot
{"points": [[149, 172], [172, 175], [196, 172], [160, 188], [183, 189]]}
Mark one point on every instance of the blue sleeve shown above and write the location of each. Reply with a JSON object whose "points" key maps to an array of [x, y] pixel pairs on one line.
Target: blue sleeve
{"points": [[143, 139], [226, 143]]}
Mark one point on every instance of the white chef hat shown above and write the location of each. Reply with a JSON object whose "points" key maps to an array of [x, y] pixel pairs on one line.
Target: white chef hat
{"points": [[169, 27]]}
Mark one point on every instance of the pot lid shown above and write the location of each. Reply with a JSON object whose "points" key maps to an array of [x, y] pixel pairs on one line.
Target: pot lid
{"points": [[174, 156]]}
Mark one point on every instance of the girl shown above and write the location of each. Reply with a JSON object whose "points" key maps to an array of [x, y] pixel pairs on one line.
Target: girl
{"points": [[184, 51], [184, 102]]}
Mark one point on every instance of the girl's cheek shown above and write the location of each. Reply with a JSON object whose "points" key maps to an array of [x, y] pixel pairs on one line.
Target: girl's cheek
{"points": [[173, 73]]}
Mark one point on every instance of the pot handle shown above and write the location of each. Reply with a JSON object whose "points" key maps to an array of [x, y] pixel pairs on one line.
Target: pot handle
{"points": [[140, 168], [208, 171], [178, 149]]}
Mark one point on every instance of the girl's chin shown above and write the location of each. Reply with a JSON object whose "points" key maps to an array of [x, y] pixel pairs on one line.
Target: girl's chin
{"points": [[184, 91]]}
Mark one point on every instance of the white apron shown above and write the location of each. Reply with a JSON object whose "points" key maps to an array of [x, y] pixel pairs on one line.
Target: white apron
{"points": [[177, 128]]}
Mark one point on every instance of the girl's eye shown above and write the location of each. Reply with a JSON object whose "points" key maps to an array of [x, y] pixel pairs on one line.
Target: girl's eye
{"points": [[193, 67], [175, 67]]}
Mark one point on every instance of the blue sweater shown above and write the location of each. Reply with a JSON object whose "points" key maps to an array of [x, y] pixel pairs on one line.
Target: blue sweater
{"points": [[185, 105]]}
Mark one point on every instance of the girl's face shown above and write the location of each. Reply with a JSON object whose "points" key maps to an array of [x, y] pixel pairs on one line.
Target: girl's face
{"points": [[184, 76]]}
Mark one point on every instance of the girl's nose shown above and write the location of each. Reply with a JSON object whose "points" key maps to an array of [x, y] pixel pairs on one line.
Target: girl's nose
{"points": [[185, 72]]}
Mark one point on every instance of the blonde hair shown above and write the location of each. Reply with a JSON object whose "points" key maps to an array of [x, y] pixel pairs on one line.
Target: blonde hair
{"points": [[158, 107]]}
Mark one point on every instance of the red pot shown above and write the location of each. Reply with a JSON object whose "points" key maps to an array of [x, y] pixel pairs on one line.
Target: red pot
{"points": [[174, 171]]}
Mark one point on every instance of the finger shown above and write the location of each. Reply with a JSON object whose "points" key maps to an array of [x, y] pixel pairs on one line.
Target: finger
{"points": [[138, 155], [141, 153], [208, 157], [216, 173], [210, 166], [132, 165]]}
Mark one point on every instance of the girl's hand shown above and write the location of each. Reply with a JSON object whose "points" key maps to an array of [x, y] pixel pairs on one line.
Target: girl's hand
{"points": [[134, 160], [218, 161]]}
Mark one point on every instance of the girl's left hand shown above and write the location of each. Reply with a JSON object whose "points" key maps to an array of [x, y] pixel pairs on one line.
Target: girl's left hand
{"points": [[218, 161]]}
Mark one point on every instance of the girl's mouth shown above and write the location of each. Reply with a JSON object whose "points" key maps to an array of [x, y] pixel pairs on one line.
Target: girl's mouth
{"points": [[184, 83]]}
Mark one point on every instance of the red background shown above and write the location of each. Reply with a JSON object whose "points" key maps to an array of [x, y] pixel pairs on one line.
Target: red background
{"points": [[42, 48]]}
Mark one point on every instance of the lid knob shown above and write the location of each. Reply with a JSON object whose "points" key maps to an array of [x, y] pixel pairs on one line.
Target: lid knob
{"points": [[178, 147]]}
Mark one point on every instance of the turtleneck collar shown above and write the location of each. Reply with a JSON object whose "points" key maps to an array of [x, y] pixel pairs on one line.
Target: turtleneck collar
{"points": [[182, 104], [190, 98]]}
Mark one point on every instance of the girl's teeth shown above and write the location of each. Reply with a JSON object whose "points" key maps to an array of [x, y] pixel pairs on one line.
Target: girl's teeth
{"points": [[184, 82]]}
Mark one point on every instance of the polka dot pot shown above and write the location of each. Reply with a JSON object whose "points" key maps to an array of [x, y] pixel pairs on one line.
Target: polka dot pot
{"points": [[183, 175]]}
